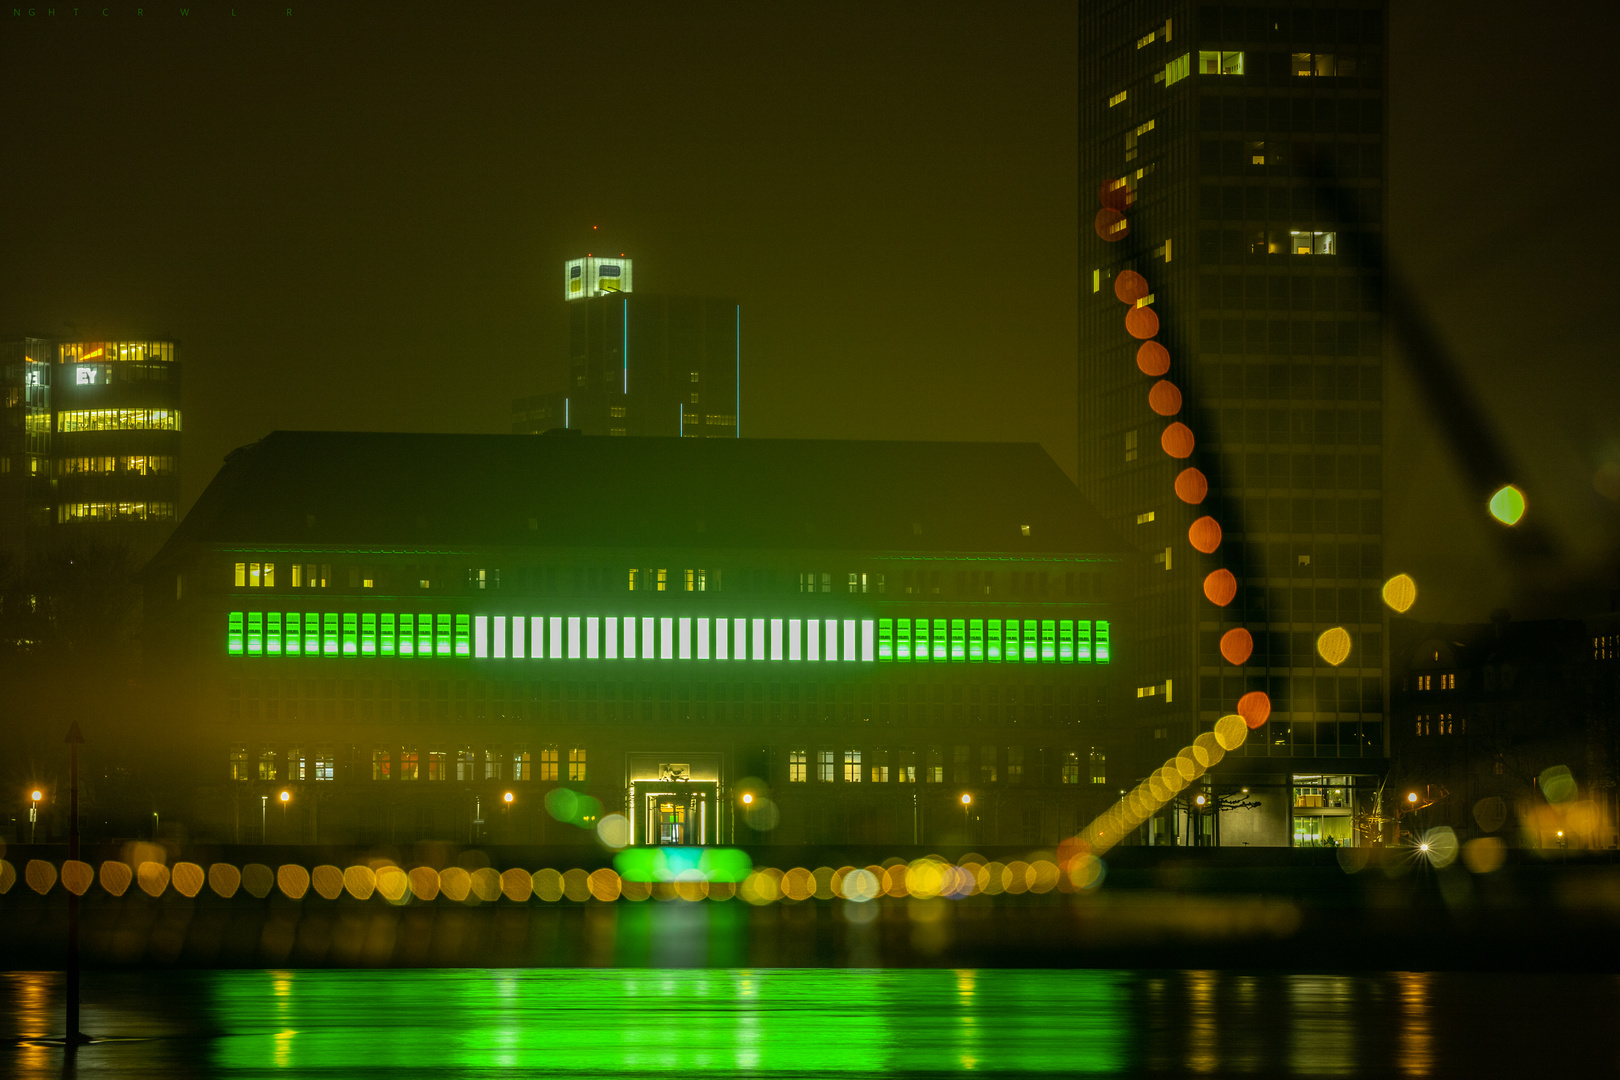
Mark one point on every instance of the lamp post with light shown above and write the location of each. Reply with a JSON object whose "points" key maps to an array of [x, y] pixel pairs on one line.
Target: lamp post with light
{"points": [[967, 803], [506, 818], [285, 797], [33, 812]]}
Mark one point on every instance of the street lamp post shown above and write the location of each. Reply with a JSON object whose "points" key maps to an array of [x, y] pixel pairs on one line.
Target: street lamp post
{"points": [[33, 813], [286, 797], [967, 802]]}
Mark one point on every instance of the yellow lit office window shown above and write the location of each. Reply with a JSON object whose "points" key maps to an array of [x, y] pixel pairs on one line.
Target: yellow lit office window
{"points": [[663, 580], [633, 575], [576, 764], [269, 575], [241, 575], [1116, 99], [691, 580], [1143, 519], [548, 763]]}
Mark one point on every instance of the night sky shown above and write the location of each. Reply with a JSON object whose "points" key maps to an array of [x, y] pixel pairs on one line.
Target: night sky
{"points": [[356, 218]]}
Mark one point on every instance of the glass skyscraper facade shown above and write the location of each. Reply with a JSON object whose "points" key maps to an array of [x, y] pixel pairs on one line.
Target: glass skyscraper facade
{"points": [[1250, 139]]}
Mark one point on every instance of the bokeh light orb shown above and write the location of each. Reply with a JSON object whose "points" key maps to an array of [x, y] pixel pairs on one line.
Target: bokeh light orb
{"points": [[1220, 587], [1400, 593], [1153, 358], [1111, 225], [1205, 534], [1142, 323], [1130, 286], [1164, 398], [1230, 732], [614, 831], [1236, 646], [1177, 440], [1254, 707], [1191, 486], [1507, 505], [1334, 645]]}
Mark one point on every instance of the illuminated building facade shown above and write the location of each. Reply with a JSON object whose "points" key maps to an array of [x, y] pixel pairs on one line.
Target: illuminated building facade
{"points": [[91, 441], [1251, 140], [401, 629], [25, 444], [640, 363]]}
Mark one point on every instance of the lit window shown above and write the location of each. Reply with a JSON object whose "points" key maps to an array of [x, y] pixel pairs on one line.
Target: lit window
{"points": [[663, 580], [576, 764], [548, 763], [854, 583], [381, 760], [633, 574], [694, 379], [522, 766], [852, 766], [1099, 766], [325, 764], [1312, 243], [464, 764], [798, 767], [880, 767], [934, 771], [824, 766], [267, 764], [1015, 764], [1116, 99], [297, 575], [1071, 767], [1177, 69], [616, 410], [241, 575], [269, 575], [436, 764], [1130, 446], [691, 581], [239, 763], [702, 580], [694, 401], [1143, 519], [407, 765], [1220, 63], [492, 764]]}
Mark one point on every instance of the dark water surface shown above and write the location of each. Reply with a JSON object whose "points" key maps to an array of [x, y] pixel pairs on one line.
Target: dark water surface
{"points": [[815, 1022]]}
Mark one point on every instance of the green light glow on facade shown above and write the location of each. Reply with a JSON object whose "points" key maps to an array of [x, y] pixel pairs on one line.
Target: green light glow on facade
{"points": [[501, 637], [703, 1022]]}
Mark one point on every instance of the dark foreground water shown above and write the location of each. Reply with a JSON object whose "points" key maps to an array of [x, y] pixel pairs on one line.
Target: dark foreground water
{"points": [[811, 1023]]}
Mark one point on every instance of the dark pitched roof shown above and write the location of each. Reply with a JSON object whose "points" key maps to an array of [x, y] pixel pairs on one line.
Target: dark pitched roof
{"points": [[411, 490]]}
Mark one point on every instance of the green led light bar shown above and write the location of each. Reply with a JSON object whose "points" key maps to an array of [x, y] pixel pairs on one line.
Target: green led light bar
{"points": [[555, 637]]}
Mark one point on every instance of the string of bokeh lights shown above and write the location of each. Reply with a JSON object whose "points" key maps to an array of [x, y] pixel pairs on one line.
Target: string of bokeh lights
{"points": [[1204, 535], [713, 874]]}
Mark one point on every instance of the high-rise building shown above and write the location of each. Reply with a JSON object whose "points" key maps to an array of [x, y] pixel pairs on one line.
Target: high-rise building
{"points": [[91, 443], [640, 363], [1240, 149]]}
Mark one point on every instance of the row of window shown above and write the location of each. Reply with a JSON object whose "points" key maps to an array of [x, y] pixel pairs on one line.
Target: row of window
{"points": [[109, 465], [78, 352], [490, 764], [115, 511], [107, 374], [1440, 724], [911, 766], [1447, 681], [501, 637], [589, 580], [118, 420]]}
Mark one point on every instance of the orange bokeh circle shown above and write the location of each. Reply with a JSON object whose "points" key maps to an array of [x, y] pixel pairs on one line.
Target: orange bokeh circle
{"points": [[1130, 286], [1191, 486], [1177, 440], [1111, 225], [1205, 534], [1164, 398], [1153, 358], [1220, 587], [1255, 708], [1237, 646], [1142, 322]]}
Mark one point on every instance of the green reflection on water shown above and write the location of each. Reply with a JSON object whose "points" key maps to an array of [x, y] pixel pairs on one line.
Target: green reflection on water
{"points": [[799, 1022]]}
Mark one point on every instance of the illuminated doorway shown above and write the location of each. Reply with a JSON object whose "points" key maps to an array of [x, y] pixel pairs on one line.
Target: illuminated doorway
{"points": [[671, 821], [676, 816]]}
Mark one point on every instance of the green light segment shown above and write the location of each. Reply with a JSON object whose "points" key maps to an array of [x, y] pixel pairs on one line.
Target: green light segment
{"points": [[463, 635], [900, 640]]}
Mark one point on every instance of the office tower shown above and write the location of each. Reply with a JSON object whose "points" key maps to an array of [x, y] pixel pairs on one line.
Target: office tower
{"points": [[25, 446], [1239, 152], [399, 629], [91, 444], [639, 363]]}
